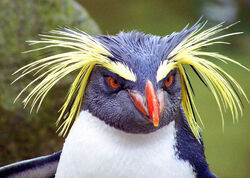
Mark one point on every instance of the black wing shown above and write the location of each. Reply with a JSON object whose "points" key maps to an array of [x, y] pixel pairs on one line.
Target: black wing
{"points": [[189, 149], [41, 167]]}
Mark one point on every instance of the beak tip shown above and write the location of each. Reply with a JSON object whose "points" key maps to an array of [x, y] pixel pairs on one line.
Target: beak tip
{"points": [[156, 124]]}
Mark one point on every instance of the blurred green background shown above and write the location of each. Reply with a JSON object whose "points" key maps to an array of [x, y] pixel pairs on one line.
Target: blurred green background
{"points": [[22, 138]]}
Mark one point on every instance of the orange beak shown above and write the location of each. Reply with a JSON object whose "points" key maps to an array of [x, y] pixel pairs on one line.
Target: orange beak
{"points": [[152, 107]]}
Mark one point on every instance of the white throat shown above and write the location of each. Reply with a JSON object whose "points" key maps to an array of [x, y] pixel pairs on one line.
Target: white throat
{"points": [[94, 149]]}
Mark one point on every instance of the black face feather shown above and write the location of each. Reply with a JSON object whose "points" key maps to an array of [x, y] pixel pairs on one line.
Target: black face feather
{"points": [[116, 108]]}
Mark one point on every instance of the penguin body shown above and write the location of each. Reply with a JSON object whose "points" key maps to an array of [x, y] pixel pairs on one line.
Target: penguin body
{"points": [[103, 151]]}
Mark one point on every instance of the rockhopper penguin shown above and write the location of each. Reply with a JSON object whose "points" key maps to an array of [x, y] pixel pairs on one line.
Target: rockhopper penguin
{"points": [[130, 108]]}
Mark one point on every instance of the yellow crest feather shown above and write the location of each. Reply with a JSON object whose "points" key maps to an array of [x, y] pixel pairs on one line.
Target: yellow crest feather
{"points": [[188, 52], [86, 53]]}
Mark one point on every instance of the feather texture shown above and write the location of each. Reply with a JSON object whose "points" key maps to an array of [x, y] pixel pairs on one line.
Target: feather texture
{"points": [[188, 52], [86, 52]]}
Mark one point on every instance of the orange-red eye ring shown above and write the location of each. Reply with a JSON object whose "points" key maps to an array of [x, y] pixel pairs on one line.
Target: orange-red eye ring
{"points": [[112, 82], [169, 81]]}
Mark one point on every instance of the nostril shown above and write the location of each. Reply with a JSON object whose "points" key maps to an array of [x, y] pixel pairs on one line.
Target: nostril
{"points": [[138, 101], [161, 101]]}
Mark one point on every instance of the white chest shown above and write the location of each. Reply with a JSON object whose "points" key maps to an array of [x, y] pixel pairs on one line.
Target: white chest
{"points": [[93, 149]]}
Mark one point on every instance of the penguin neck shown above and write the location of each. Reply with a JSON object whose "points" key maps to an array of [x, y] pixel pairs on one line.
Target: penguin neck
{"points": [[91, 124], [94, 149], [189, 148]]}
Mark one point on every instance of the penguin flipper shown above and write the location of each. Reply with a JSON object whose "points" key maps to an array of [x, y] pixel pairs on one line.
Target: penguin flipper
{"points": [[41, 167], [207, 174]]}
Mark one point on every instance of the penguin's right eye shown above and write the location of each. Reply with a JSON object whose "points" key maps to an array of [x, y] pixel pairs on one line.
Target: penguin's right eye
{"points": [[112, 82]]}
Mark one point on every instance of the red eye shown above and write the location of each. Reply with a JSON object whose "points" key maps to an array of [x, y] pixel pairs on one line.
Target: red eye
{"points": [[169, 81], [112, 82]]}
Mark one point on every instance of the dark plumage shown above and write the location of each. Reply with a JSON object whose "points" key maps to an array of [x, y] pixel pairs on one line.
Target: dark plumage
{"points": [[44, 166]]}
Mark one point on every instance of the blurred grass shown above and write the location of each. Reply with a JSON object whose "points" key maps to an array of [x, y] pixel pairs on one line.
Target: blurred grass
{"points": [[227, 152]]}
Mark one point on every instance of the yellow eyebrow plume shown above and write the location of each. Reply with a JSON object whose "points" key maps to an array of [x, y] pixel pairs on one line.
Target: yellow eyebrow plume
{"points": [[85, 53], [220, 83]]}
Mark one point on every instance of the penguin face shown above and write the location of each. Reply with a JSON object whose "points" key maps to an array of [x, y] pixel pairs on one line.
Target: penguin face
{"points": [[117, 108], [132, 106]]}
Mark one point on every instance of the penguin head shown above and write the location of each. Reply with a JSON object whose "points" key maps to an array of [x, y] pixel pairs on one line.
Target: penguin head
{"points": [[133, 81]]}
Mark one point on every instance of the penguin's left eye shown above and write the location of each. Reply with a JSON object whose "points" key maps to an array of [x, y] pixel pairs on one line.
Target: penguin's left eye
{"points": [[169, 81], [112, 82]]}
